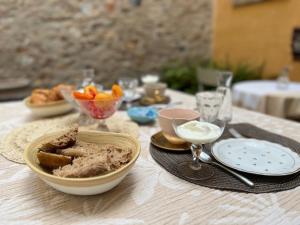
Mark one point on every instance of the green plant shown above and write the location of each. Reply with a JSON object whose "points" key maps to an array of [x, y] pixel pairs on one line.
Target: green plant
{"points": [[180, 76], [241, 71], [183, 75]]}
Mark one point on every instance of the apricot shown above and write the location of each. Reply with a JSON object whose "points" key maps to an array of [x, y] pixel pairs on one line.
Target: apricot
{"points": [[117, 91], [82, 96], [90, 89]]}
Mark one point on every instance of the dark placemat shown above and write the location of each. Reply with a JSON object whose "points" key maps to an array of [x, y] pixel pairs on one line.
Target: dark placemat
{"points": [[223, 180]]}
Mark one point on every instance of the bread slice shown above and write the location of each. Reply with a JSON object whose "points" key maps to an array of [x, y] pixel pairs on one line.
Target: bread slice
{"points": [[87, 166], [117, 156], [93, 162], [53, 161], [64, 141], [82, 148]]}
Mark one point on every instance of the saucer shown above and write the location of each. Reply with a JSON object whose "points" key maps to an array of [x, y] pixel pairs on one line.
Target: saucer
{"points": [[146, 101], [160, 141]]}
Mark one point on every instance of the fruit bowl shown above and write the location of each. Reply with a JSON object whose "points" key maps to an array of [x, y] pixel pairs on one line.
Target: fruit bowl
{"points": [[98, 104], [99, 109]]}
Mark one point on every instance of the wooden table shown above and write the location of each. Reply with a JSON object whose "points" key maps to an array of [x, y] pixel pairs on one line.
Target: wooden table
{"points": [[148, 195]]}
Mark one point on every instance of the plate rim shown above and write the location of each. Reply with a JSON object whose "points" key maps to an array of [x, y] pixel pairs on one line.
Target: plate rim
{"points": [[296, 168]]}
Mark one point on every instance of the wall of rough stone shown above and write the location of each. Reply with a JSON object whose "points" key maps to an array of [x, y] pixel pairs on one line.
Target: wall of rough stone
{"points": [[52, 41]]}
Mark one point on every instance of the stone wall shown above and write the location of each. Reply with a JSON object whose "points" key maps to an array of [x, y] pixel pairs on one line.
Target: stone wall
{"points": [[52, 41]]}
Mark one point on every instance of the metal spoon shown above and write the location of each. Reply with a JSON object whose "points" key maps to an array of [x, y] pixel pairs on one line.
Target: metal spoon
{"points": [[204, 157], [235, 133]]}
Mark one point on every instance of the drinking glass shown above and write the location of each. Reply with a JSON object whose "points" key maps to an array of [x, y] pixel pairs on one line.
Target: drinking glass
{"points": [[224, 84], [129, 86], [209, 104], [88, 77]]}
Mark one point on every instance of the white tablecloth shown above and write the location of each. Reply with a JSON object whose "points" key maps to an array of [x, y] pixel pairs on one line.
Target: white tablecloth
{"points": [[265, 97], [148, 195]]}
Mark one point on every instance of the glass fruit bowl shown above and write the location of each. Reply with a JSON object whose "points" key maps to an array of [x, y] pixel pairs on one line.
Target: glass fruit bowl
{"points": [[98, 105], [99, 109]]}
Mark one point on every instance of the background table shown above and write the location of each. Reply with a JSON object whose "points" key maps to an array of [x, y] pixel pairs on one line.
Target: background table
{"points": [[148, 195], [265, 97]]}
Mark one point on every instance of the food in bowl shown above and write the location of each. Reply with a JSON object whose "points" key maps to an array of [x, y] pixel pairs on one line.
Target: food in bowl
{"points": [[87, 185], [165, 120], [48, 102], [44, 96], [64, 156], [98, 104]]}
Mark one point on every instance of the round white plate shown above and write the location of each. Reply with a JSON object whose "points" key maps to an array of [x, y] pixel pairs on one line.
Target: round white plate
{"points": [[136, 96], [257, 157]]}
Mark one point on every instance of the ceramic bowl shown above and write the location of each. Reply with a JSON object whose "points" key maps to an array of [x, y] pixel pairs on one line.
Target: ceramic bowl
{"points": [[166, 117], [49, 109], [142, 115], [155, 89], [91, 185]]}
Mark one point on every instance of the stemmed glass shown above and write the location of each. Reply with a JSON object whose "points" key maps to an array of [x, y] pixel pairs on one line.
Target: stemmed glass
{"points": [[198, 133], [98, 111], [129, 86]]}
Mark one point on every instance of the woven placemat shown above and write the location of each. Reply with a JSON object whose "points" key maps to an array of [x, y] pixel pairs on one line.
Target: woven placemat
{"points": [[13, 145], [223, 180]]}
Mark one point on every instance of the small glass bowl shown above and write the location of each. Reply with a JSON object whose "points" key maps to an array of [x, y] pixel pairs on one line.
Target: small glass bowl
{"points": [[99, 109]]}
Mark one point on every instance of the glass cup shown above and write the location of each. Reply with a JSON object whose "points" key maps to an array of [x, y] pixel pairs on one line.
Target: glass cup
{"points": [[198, 133], [224, 84], [88, 77], [129, 86]]}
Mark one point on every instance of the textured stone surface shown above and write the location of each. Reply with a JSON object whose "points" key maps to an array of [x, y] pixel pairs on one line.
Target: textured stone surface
{"points": [[56, 39]]}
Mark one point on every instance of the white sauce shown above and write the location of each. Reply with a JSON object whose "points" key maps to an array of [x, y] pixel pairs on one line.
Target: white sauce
{"points": [[198, 132]]}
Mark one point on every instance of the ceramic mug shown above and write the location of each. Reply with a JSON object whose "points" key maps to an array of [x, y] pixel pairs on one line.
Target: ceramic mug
{"points": [[166, 117]]}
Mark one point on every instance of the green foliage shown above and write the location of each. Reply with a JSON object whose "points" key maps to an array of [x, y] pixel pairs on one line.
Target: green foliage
{"points": [[241, 71], [183, 75]]}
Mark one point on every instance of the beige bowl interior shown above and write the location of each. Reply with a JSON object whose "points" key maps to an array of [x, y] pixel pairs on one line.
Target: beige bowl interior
{"points": [[121, 140]]}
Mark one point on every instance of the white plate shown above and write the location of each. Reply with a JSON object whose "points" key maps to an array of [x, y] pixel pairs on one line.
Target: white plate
{"points": [[49, 109], [257, 157], [136, 97]]}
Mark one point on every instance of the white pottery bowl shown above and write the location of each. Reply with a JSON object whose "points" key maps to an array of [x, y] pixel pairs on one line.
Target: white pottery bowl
{"points": [[49, 109], [91, 185]]}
